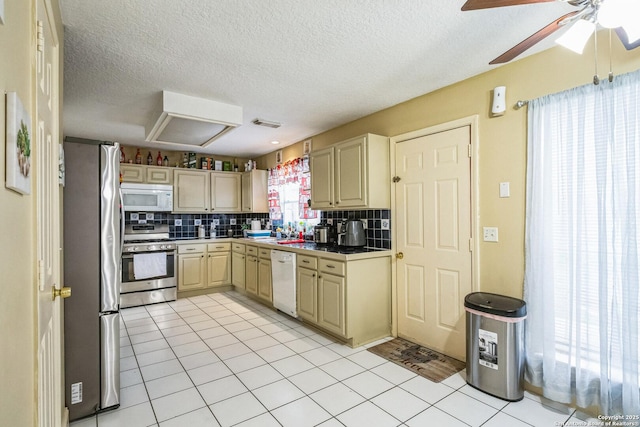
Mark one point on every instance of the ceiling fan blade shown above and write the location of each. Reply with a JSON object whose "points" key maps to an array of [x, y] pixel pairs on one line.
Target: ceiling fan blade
{"points": [[532, 40], [624, 38], [487, 4]]}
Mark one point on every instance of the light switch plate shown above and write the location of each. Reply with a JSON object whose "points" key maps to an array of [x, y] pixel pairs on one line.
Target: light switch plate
{"points": [[330, 221], [232, 221], [216, 222], [384, 224], [177, 222], [248, 221], [135, 216], [150, 216], [197, 222], [364, 223], [504, 189]]}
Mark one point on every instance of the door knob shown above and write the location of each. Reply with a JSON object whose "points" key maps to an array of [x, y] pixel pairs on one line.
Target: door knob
{"points": [[399, 255], [64, 292]]}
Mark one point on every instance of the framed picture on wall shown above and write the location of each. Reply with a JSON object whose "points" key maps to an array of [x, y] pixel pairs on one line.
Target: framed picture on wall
{"points": [[306, 147], [279, 157], [19, 146]]}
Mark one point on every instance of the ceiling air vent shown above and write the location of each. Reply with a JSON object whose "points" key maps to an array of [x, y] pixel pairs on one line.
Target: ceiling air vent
{"points": [[188, 120], [266, 123]]}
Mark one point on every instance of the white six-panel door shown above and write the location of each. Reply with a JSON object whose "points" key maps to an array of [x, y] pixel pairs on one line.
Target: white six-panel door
{"points": [[46, 149], [433, 232]]}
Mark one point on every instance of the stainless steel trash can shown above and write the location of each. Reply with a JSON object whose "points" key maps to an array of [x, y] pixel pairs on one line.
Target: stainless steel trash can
{"points": [[495, 344]]}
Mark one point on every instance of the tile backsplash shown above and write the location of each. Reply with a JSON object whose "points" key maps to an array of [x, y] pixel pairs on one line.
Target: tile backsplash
{"points": [[378, 223], [188, 228]]}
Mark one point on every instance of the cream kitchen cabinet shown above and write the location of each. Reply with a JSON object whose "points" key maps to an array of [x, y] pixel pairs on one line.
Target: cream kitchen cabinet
{"points": [[254, 191], [225, 192], [192, 267], [349, 299], [307, 288], [238, 263], [352, 174], [331, 296], [191, 191], [251, 270], [196, 191], [146, 174], [321, 166], [218, 264], [265, 288]]}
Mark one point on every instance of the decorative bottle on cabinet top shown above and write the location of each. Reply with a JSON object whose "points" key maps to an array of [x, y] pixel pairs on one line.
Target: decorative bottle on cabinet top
{"points": [[138, 157], [149, 158], [159, 159], [122, 158]]}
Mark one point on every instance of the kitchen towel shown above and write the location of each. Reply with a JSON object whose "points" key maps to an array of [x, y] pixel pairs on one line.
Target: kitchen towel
{"points": [[149, 265]]}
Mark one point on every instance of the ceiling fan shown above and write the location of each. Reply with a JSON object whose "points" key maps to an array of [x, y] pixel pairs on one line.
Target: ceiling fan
{"points": [[621, 15]]}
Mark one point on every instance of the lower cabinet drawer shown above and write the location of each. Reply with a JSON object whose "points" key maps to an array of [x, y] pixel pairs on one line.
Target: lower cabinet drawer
{"points": [[333, 267], [219, 247], [192, 249]]}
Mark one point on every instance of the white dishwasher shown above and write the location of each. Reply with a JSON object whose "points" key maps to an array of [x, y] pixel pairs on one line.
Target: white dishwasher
{"points": [[283, 280]]}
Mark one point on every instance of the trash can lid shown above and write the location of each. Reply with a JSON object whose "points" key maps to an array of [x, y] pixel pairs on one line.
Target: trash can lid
{"points": [[499, 305]]}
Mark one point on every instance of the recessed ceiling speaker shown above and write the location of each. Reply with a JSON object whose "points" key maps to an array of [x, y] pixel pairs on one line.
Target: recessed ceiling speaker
{"points": [[498, 107]]}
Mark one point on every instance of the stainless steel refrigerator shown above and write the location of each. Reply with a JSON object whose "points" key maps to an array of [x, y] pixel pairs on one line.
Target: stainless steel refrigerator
{"points": [[92, 251]]}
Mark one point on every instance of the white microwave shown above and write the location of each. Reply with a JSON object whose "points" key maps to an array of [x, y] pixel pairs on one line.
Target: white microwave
{"points": [[146, 197]]}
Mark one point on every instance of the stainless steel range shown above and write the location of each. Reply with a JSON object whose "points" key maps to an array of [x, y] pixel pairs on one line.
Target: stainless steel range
{"points": [[148, 265]]}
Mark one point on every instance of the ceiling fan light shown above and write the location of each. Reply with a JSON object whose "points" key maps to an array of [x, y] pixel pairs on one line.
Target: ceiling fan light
{"points": [[576, 37], [612, 13]]}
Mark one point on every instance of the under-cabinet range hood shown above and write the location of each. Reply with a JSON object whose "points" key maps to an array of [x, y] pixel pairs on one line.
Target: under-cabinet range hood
{"points": [[188, 120]]}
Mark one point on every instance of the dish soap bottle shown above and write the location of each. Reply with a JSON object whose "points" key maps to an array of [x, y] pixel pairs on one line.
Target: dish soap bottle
{"points": [[138, 157], [149, 159], [159, 159]]}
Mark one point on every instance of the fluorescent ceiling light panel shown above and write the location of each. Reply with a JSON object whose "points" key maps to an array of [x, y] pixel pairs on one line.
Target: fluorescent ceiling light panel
{"points": [[188, 120]]}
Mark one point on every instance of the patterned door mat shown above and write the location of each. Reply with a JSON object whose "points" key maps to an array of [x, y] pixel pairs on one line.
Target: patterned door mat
{"points": [[421, 360]]}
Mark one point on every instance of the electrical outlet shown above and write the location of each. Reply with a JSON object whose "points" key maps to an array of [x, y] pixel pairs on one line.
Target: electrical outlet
{"points": [[177, 222], [135, 216], [384, 224], [216, 222], [197, 222], [150, 216], [330, 221], [232, 221], [364, 223], [248, 221], [490, 234]]}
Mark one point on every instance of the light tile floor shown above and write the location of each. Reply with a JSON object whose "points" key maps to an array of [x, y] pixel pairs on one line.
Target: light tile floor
{"points": [[225, 360]]}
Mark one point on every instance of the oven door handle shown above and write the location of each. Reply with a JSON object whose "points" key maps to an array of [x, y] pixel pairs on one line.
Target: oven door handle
{"points": [[130, 255]]}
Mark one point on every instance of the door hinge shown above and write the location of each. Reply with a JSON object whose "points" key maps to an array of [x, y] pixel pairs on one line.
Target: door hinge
{"points": [[41, 274], [396, 179], [40, 37], [469, 149], [470, 245]]}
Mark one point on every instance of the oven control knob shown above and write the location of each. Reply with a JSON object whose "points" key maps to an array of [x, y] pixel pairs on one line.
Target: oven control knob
{"points": [[132, 249], [151, 247], [163, 246]]}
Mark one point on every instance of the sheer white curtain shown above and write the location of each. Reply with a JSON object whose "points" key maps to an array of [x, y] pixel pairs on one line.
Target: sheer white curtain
{"points": [[581, 244]]}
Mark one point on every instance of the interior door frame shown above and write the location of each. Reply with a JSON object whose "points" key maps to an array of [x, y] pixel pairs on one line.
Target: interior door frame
{"points": [[472, 122]]}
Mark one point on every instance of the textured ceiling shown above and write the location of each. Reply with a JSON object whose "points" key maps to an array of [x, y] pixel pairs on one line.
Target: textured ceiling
{"points": [[311, 65]]}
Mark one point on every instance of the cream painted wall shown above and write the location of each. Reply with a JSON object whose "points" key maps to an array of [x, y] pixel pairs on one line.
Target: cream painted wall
{"points": [[17, 305], [502, 155]]}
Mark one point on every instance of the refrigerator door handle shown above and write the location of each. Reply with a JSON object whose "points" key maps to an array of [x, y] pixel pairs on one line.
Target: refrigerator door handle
{"points": [[122, 223], [110, 235], [109, 360]]}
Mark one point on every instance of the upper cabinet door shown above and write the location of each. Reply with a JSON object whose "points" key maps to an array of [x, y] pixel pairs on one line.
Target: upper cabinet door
{"points": [[159, 175], [351, 173], [190, 191], [132, 173], [225, 192], [254, 191], [321, 166]]}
